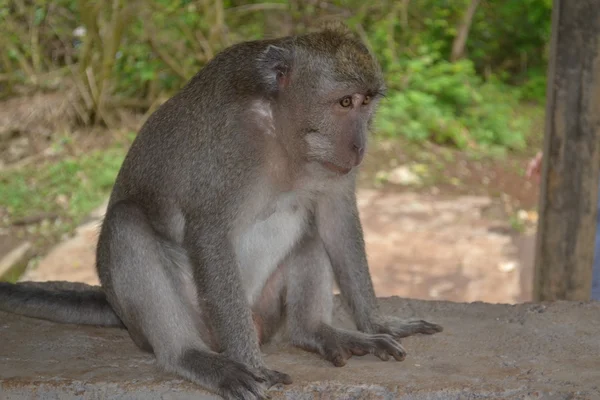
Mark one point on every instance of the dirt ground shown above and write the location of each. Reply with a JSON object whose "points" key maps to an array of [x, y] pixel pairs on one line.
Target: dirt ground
{"points": [[459, 232]]}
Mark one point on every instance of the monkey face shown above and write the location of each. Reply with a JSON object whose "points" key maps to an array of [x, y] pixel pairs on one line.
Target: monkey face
{"points": [[325, 90], [340, 140], [338, 121]]}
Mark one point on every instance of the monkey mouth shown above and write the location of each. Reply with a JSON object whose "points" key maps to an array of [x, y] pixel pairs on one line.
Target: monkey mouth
{"points": [[336, 168]]}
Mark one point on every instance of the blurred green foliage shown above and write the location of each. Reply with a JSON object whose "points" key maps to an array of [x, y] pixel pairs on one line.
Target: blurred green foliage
{"points": [[134, 53], [84, 181]]}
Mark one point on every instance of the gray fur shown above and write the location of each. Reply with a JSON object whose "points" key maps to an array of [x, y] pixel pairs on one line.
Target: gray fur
{"points": [[235, 209], [65, 302]]}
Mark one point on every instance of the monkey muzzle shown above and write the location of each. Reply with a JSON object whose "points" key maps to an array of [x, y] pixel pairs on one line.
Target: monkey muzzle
{"points": [[336, 168]]}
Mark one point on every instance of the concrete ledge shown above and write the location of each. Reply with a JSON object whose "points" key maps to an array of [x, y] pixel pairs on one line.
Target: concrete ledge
{"points": [[527, 351]]}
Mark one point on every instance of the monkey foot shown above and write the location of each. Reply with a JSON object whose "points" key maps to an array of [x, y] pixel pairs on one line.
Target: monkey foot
{"points": [[337, 346]]}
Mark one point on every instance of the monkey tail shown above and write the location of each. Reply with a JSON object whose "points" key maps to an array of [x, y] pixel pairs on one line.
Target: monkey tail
{"points": [[64, 302]]}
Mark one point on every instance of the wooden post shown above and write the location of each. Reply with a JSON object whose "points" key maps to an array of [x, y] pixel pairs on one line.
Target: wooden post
{"points": [[571, 166]]}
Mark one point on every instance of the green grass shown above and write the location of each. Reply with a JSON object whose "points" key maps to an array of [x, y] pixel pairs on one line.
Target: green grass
{"points": [[71, 187], [67, 187]]}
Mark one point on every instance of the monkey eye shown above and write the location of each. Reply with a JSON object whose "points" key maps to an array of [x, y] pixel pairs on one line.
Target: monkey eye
{"points": [[367, 99], [346, 102]]}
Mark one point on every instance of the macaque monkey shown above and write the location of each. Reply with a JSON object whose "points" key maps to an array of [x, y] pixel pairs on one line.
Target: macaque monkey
{"points": [[233, 213]]}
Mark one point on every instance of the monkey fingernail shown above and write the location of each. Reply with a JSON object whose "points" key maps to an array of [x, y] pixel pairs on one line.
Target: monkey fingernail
{"points": [[431, 329], [428, 327], [399, 356], [340, 363]]}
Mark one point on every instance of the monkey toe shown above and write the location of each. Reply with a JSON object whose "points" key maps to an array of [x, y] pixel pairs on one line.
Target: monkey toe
{"points": [[339, 360], [381, 345], [414, 327], [399, 328], [399, 356], [337, 356], [359, 352], [428, 328], [386, 345], [337, 346], [382, 355]]}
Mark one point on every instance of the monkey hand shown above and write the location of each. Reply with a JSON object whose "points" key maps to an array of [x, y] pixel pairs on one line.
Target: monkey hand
{"points": [[243, 383], [400, 328]]}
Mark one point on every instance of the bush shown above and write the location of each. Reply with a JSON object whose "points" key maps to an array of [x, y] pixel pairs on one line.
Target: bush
{"points": [[432, 99]]}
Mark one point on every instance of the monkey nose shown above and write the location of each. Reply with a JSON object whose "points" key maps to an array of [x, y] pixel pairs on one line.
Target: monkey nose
{"points": [[360, 152]]}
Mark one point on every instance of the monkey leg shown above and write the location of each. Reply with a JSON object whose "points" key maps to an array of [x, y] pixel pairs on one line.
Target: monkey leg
{"points": [[150, 296], [309, 310], [269, 309]]}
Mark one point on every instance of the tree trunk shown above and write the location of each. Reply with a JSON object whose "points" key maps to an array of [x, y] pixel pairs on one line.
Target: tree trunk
{"points": [[458, 47], [571, 165]]}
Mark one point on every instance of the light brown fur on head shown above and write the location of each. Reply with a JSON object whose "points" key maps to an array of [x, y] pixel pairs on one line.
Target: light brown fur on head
{"points": [[353, 62]]}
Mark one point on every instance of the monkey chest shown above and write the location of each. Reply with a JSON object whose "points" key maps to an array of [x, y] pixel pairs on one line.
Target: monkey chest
{"points": [[264, 243]]}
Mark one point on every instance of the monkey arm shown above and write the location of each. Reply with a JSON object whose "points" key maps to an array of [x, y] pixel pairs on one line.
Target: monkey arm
{"points": [[221, 291], [340, 229]]}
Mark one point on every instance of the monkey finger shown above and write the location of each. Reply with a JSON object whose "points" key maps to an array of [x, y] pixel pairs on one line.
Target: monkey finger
{"points": [[243, 389], [391, 347], [338, 360], [399, 356], [427, 328], [243, 383], [358, 351], [382, 355], [337, 356], [413, 327], [253, 388], [275, 377]]}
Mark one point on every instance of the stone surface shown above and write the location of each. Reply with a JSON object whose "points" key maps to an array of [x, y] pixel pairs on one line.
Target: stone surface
{"points": [[527, 351], [418, 246]]}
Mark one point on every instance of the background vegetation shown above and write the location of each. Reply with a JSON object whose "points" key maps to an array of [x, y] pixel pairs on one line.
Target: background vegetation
{"points": [[457, 69]]}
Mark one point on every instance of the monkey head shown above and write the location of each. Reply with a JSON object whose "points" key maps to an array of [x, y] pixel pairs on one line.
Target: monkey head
{"points": [[324, 87]]}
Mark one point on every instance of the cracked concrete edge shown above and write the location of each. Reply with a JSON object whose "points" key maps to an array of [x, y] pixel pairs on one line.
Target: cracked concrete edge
{"points": [[77, 390]]}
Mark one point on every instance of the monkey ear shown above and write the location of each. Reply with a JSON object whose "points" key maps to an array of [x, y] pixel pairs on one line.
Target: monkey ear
{"points": [[275, 65]]}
